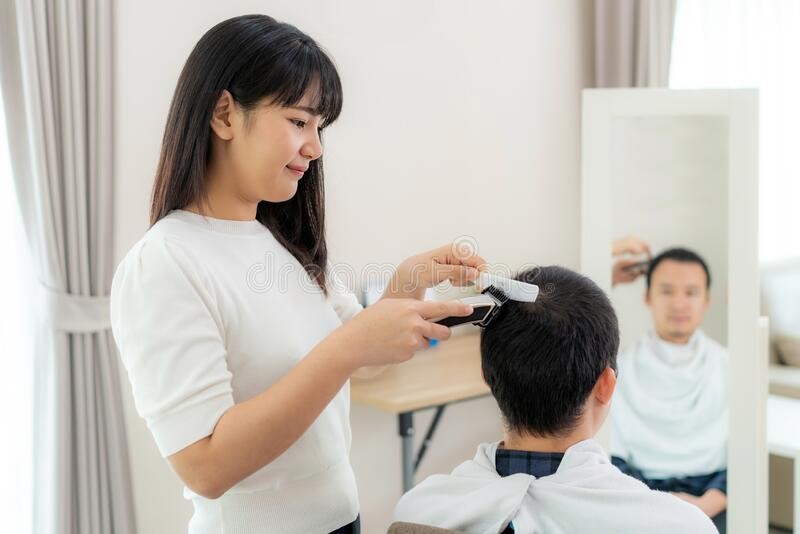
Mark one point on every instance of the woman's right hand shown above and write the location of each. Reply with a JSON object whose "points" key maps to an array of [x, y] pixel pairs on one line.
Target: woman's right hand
{"points": [[628, 251], [392, 330], [632, 245]]}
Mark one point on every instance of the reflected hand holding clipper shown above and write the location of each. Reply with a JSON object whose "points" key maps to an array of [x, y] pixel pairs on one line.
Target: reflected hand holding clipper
{"points": [[637, 268], [495, 291]]}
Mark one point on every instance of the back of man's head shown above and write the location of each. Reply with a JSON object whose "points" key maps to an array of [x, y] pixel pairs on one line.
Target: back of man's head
{"points": [[542, 359]]}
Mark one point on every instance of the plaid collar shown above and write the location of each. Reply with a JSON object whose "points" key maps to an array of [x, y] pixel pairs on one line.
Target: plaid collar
{"points": [[539, 464]]}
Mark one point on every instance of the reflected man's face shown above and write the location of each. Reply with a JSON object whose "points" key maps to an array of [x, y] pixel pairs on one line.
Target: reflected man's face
{"points": [[678, 299]]}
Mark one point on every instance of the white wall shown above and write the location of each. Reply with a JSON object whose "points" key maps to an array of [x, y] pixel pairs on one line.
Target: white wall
{"points": [[458, 120]]}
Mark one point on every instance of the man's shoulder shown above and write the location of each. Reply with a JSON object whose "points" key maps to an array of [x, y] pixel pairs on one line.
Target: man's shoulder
{"points": [[637, 506], [716, 345]]}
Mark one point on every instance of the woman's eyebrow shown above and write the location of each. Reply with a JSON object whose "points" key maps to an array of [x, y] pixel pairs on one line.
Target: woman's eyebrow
{"points": [[310, 111]]}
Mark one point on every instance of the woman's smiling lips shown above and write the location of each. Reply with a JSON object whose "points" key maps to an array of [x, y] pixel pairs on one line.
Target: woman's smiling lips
{"points": [[297, 170]]}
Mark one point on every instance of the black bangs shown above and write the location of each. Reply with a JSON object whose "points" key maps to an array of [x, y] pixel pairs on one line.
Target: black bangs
{"points": [[284, 66], [311, 70]]}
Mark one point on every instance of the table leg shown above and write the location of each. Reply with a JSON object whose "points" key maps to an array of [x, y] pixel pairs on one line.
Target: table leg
{"points": [[429, 436], [796, 498], [406, 428]]}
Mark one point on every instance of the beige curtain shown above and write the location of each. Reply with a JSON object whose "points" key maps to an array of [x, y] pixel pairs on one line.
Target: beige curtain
{"points": [[633, 39], [57, 90]]}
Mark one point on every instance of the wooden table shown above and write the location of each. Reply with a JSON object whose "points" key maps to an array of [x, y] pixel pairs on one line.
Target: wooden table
{"points": [[447, 373]]}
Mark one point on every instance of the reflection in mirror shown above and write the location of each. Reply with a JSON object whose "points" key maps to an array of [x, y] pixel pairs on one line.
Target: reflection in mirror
{"points": [[670, 275]]}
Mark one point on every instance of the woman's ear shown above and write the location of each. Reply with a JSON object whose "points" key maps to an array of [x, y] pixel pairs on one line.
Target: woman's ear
{"points": [[221, 117]]}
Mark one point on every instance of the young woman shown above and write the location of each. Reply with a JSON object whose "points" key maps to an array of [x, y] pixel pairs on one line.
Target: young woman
{"points": [[236, 337]]}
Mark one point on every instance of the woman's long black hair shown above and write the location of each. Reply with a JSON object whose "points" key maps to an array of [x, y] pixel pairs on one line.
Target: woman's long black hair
{"points": [[253, 57]]}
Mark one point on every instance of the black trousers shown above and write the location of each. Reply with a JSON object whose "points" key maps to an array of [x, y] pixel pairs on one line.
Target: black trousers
{"points": [[352, 528]]}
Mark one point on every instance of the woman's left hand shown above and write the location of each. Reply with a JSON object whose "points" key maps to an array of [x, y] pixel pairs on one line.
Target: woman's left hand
{"points": [[454, 262]]}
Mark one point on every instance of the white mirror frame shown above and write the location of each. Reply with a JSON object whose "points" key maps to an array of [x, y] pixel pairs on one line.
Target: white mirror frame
{"points": [[747, 445]]}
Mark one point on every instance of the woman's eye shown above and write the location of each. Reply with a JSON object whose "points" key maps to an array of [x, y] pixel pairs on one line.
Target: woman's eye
{"points": [[300, 124]]}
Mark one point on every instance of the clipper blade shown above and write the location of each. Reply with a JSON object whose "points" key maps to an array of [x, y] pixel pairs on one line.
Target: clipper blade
{"points": [[512, 289]]}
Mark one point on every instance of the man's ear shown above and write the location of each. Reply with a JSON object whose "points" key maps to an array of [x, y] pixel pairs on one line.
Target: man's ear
{"points": [[605, 385], [221, 116]]}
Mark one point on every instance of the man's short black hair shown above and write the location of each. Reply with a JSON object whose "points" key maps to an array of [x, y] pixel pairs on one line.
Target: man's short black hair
{"points": [[678, 254], [542, 359]]}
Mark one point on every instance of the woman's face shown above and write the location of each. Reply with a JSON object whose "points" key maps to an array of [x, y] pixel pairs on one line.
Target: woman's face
{"points": [[269, 149]]}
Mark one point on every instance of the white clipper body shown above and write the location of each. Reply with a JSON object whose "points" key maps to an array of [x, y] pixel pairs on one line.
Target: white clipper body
{"points": [[495, 291]]}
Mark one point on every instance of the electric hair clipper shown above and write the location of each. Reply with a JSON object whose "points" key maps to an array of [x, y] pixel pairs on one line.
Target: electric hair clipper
{"points": [[495, 291]]}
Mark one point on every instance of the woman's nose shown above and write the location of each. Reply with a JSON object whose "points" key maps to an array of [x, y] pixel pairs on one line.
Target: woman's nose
{"points": [[312, 149]]}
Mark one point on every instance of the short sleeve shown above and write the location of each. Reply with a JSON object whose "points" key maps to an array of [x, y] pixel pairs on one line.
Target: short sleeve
{"points": [[171, 340], [342, 299]]}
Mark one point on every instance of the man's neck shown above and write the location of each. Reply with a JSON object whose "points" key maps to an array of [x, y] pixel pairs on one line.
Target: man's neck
{"points": [[676, 339], [517, 442]]}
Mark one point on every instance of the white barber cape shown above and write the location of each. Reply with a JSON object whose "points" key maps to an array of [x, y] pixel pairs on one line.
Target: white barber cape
{"points": [[586, 494], [669, 414]]}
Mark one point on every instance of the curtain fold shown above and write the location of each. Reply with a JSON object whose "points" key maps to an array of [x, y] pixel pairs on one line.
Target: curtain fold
{"points": [[57, 86], [633, 40]]}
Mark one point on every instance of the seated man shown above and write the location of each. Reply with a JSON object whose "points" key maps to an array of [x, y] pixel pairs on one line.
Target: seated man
{"points": [[551, 367], [670, 418]]}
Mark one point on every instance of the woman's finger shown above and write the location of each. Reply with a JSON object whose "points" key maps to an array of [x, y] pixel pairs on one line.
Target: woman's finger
{"points": [[435, 331], [630, 245], [430, 309], [459, 275], [457, 254], [625, 262]]}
